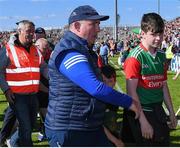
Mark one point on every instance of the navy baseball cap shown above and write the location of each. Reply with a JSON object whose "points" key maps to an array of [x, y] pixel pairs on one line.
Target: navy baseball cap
{"points": [[86, 12], [40, 30]]}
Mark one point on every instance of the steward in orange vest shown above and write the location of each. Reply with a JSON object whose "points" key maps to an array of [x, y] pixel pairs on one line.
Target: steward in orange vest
{"points": [[23, 74], [20, 66]]}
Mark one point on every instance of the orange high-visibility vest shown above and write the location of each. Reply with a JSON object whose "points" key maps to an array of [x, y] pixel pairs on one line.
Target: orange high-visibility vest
{"points": [[23, 74]]}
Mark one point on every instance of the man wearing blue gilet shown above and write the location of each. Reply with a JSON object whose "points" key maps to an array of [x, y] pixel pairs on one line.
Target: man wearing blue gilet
{"points": [[77, 94]]}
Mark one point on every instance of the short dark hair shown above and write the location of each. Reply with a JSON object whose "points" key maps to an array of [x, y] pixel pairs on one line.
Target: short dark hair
{"points": [[108, 71], [152, 22]]}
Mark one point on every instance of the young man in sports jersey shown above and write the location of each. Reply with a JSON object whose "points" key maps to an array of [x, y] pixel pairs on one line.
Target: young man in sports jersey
{"points": [[146, 77]]}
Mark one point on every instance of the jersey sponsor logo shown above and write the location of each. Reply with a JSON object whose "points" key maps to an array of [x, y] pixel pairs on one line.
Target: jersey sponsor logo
{"points": [[152, 84], [153, 77], [152, 81]]}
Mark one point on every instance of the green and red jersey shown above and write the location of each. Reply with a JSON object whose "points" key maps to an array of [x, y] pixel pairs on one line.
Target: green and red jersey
{"points": [[150, 70]]}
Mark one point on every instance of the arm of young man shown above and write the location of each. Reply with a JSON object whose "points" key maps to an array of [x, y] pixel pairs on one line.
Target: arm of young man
{"points": [[146, 128], [168, 102], [132, 71], [75, 67]]}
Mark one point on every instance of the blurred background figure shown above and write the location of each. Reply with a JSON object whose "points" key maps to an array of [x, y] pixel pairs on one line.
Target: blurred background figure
{"points": [[43, 45], [41, 33]]}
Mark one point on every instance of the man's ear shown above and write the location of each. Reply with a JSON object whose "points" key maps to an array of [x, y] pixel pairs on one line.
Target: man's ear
{"points": [[77, 26], [18, 31], [142, 34]]}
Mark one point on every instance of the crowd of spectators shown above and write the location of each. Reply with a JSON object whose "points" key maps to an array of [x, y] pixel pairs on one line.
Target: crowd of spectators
{"points": [[172, 30], [126, 40], [125, 35]]}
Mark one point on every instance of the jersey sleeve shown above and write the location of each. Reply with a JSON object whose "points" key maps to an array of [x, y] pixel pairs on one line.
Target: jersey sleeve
{"points": [[132, 68], [75, 67]]}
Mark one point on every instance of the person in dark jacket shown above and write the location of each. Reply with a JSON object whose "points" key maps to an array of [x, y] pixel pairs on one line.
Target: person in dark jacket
{"points": [[77, 95]]}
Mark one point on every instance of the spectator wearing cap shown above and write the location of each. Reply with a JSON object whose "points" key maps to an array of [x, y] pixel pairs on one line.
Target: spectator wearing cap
{"points": [[77, 95], [19, 78], [41, 33]]}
